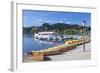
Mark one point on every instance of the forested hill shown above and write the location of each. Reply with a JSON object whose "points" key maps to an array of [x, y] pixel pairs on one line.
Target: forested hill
{"points": [[61, 28]]}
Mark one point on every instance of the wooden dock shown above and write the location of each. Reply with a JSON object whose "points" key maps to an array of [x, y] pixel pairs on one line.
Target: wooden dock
{"points": [[57, 49]]}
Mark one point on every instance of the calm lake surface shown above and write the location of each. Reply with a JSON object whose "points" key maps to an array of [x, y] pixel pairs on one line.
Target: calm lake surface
{"points": [[30, 43]]}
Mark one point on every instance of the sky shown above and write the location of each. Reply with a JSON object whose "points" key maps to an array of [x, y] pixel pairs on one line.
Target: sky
{"points": [[37, 18]]}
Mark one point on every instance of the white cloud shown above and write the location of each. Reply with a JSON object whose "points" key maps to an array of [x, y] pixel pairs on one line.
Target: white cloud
{"points": [[39, 20], [61, 21], [68, 22]]}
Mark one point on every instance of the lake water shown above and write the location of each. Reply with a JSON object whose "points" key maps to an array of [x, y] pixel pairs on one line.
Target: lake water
{"points": [[30, 43]]}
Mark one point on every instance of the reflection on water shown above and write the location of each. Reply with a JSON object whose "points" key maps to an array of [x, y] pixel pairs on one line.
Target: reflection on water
{"points": [[30, 43]]}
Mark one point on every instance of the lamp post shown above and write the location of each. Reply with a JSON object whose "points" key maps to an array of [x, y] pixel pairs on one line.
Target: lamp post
{"points": [[83, 34]]}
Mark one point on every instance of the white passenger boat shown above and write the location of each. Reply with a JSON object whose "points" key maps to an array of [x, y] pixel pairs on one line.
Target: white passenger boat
{"points": [[48, 36]]}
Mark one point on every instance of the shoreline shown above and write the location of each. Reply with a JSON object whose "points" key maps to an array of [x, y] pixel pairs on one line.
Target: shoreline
{"points": [[74, 54]]}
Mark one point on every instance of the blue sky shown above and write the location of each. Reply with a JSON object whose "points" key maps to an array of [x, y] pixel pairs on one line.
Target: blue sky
{"points": [[37, 18]]}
